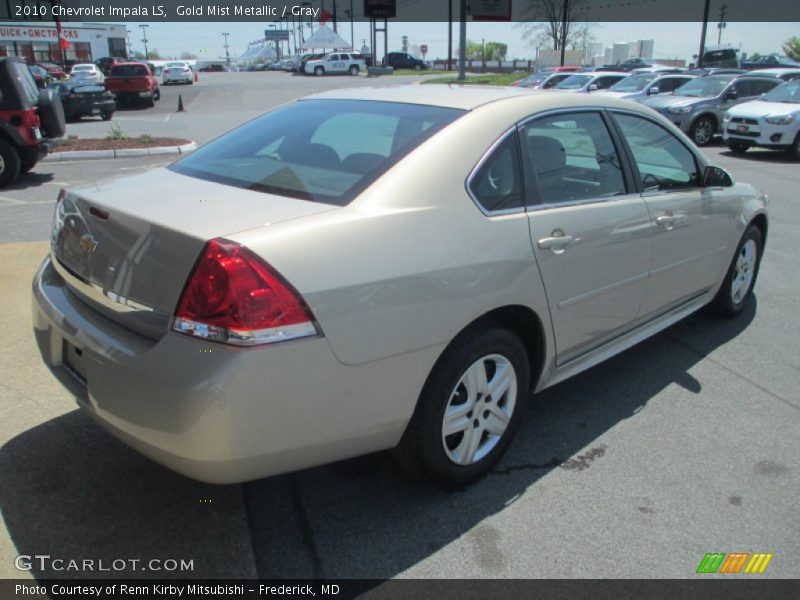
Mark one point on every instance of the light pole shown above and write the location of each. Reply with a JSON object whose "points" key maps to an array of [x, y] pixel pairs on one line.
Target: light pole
{"points": [[128, 40], [227, 54], [144, 40]]}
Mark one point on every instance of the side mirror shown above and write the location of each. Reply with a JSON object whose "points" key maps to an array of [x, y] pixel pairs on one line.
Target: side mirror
{"points": [[731, 95], [716, 177], [593, 87], [653, 91]]}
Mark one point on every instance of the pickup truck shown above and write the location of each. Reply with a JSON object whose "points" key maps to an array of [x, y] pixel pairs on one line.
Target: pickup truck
{"points": [[134, 82]]}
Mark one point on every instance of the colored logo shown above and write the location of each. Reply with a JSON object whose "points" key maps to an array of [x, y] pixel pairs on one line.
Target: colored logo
{"points": [[734, 562]]}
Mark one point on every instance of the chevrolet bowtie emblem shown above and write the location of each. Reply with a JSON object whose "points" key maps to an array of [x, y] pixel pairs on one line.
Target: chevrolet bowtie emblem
{"points": [[88, 243]]}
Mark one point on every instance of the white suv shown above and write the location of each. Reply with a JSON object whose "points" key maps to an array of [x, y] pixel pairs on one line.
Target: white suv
{"points": [[336, 62], [772, 121]]}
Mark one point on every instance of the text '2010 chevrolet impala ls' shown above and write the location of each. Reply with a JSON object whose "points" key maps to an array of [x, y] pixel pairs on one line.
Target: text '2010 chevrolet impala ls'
{"points": [[393, 267]]}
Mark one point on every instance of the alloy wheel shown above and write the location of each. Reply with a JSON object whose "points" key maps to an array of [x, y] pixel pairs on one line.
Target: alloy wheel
{"points": [[743, 271], [703, 132], [479, 409]]}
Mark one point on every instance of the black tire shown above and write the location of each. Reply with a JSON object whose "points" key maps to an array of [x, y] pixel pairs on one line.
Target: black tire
{"points": [[422, 449], [702, 131], [795, 149], [150, 102], [738, 147], [27, 167], [354, 70], [157, 94], [107, 116], [724, 303], [51, 114], [10, 164], [319, 71]]}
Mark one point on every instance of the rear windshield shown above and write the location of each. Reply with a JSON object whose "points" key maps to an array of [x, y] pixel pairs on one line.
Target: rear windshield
{"points": [[321, 150], [129, 71], [574, 82]]}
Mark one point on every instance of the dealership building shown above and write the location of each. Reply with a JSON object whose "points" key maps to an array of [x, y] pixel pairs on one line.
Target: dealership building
{"points": [[37, 41]]}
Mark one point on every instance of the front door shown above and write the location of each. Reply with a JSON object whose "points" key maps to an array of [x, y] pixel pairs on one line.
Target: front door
{"points": [[589, 229]]}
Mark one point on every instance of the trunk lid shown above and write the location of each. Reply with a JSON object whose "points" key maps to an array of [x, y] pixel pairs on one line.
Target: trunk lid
{"points": [[127, 247]]}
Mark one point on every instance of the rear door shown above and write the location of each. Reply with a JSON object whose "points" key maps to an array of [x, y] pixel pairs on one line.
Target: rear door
{"points": [[691, 227], [589, 229]]}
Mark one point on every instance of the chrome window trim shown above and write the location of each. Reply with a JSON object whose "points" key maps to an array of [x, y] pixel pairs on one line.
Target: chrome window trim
{"points": [[473, 173], [600, 200]]}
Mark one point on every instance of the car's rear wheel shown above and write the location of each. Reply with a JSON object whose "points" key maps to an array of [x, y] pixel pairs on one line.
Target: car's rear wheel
{"points": [[703, 131], [157, 94], [319, 71], [795, 150], [741, 277], [107, 116], [469, 408], [10, 164], [354, 70], [738, 147]]}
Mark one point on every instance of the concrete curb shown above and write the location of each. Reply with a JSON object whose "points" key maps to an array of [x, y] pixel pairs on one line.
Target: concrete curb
{"points": [[122, 153]]}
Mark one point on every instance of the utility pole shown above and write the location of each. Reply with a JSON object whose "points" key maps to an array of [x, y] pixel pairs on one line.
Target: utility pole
{"points": [[144, 41], [564, 18], [227, 54], [334, 17], [706, 8], [128, 40], [722, 24], [462, 49], [449, 35]]}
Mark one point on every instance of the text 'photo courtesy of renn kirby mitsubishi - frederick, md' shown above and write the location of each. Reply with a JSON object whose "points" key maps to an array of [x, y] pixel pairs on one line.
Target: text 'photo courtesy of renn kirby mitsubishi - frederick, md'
{"points": [[390, 298]]}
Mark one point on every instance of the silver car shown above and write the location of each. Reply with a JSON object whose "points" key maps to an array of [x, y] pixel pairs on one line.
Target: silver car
{"points": [[590, 82], [699, 106], [641, 86], [395, 267]]}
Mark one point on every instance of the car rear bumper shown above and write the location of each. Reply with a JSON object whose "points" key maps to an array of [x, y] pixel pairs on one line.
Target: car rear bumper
{"points": [[217, 413]]}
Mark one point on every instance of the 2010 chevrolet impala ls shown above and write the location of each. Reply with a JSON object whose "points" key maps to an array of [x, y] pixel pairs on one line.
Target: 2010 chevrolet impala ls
{"points": [[378, 268]]}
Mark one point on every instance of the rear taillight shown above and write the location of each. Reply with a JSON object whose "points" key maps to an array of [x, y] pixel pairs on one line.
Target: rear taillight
{"points": [[234, 297]]}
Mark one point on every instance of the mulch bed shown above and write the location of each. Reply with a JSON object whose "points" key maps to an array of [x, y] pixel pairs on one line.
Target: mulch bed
{"points": [[103, 144]]}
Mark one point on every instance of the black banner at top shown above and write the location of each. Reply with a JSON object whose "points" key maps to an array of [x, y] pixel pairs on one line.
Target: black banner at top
{"points": [[404, 10]]}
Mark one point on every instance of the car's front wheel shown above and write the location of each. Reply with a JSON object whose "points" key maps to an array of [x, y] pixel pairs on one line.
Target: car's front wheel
{"points": [[107, 116], [353, 70], [741, 277], [703, 131], [10, 164], [469, 408]]}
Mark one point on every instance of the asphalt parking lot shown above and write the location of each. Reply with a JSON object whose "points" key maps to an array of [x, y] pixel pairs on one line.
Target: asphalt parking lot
{"points": [[683, 445]]}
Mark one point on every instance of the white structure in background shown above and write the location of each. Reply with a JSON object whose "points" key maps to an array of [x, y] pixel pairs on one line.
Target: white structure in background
{"points": [[257, 53], [325, 38], [552, 58], [619, 52], [597, 56]]}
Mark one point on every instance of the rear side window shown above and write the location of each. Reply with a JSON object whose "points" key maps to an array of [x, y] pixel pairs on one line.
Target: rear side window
{"points": [[321, 150], [497, 184], [763, 86], [129, 71], [664, 163], [573, 158]]}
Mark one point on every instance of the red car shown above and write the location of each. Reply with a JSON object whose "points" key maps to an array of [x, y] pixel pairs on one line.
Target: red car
{"points": [[29, 120], [54, 70]]}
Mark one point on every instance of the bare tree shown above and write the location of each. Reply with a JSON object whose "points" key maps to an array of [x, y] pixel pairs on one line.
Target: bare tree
{"points": [[543, 24]]}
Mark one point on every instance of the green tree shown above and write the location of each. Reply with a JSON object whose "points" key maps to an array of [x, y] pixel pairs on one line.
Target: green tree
{"points": [[188, 56], [792, 47], [490, 51]]}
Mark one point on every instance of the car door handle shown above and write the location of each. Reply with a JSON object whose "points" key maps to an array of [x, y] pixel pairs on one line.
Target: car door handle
{"points": [[666, 221], [555, 242]]}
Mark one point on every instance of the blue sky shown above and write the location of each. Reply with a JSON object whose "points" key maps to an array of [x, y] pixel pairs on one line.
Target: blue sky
{"points": [[672, 40]]}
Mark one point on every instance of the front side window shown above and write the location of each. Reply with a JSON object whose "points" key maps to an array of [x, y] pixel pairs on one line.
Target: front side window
{"points": [[633, 83], [705, 87], [664, 163], [497, 184], [574, 82], [572, 157], [320, 150]]}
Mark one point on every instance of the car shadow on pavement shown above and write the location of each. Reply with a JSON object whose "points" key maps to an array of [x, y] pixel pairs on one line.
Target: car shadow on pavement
{"points": [[70, 490], [30, 180], [764, 155]]}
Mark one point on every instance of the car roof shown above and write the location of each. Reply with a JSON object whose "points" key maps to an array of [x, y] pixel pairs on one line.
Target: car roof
{"points": [[467, 97], [775, 72]]}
